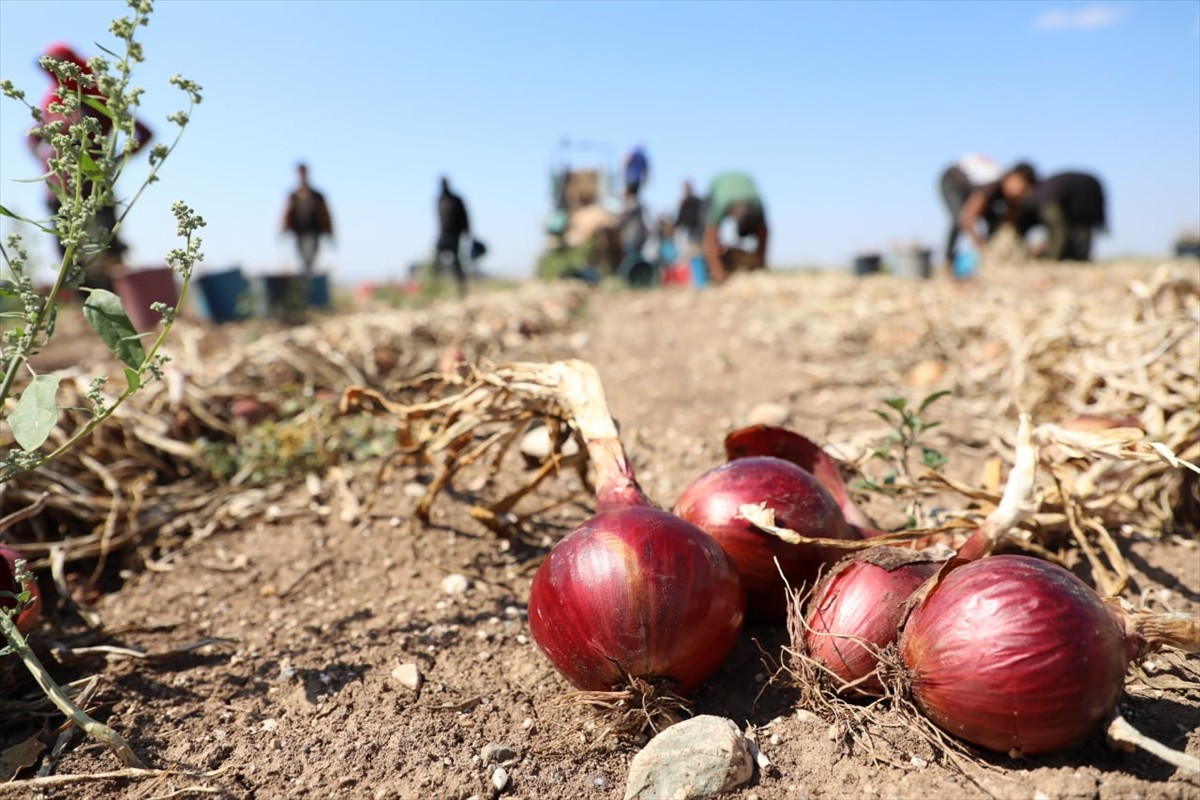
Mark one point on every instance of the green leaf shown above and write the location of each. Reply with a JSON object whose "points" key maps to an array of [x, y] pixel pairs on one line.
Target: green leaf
{"points": [[95, 104], [933, 398], [5, 212], [105, 314], [36, 413], [90, 168], [898, 403], [932, 458], [882, 415], [133, 378]]}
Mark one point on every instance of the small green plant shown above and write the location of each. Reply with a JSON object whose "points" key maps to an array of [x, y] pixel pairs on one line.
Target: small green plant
{"points": [[92, 133], [902, 445]]}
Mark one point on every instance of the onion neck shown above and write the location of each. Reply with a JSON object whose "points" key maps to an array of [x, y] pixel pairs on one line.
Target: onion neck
{"points": [[616, 486], [582, 396]]}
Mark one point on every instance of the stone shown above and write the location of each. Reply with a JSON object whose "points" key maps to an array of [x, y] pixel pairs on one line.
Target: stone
{"points": [[408, 676], [455, 583], [493, 753], [698, 757], [773, 414], [500, 779]]}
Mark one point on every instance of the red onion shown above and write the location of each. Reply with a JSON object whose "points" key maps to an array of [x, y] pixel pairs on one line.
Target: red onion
{"points": [[636, 592], [856, 611], [713, 502], [1012, 653], [765, 440], [633, 592], [28, 618]]}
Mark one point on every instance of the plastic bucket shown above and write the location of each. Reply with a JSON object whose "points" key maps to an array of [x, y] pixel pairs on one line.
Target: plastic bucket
{"points": [[867, 264], [140, 288], [224, 294], [286, 296], [1187, 249], [912, 264], [318, 291], [638, 272]]}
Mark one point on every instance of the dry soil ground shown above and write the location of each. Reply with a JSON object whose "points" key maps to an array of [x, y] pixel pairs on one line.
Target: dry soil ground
{"points": [[303, 700]]}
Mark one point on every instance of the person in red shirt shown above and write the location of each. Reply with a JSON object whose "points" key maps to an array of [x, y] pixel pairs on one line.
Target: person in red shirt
{"points": [[99, 265]]}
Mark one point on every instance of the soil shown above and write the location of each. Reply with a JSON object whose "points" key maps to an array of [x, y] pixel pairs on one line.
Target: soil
{"points": [[315, 613]]}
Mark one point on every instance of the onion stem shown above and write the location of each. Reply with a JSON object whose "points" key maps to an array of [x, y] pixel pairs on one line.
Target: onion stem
{"points": [[1121, 732]]}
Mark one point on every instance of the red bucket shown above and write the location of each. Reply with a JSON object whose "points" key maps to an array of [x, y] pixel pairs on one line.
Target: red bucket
{"points": [[142, 287]]}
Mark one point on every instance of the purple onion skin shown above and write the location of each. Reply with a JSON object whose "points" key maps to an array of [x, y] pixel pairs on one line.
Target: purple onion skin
{"points": [[1014, 654], [636, 592], [860, 600], [800, 502]]}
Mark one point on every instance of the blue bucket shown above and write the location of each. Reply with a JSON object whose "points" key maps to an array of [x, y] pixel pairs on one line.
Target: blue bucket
{"points": [[318, 291], [223, 295]]}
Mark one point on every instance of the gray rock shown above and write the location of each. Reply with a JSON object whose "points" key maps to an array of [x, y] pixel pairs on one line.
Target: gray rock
{"points": [[497, 753], [698, 757]]}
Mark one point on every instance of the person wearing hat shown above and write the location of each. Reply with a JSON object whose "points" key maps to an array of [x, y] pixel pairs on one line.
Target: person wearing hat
{"points": [[734, 196], [98, 274]]}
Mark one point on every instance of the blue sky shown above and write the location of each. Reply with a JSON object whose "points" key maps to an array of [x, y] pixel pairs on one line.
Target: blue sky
{"points": [[845, 113]]}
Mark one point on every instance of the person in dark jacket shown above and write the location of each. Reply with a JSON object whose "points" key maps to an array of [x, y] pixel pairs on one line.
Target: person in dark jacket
{"points": [[453, 224], [956, 184], [1070, 205], [307, 216]]}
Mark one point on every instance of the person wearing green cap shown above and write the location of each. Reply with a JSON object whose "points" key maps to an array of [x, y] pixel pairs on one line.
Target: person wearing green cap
{"points": [[733, 195]]}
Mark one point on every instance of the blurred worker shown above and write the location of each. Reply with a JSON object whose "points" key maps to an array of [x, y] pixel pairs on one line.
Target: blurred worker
{"points": [[733, 195], [453, 224], [958, 181], [98, 265], [307, 216], [997, 203], [1071, 207], [690, 217], [632, 227], [637, 169]]}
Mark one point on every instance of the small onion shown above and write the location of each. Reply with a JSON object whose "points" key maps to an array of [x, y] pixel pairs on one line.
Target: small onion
{"points": [[28, 618], [713, 501], [862, 602], [1015, 654], [636, 592], [766, 440]]}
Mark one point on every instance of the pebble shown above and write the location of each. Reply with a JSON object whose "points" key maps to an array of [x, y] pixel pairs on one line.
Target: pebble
{"points": [[500, 779], [698, 757], [455, 583], [493, 753], [536, 445], [408, 676], [599, 783], [775, 414], [414, 489], [804, 715]]}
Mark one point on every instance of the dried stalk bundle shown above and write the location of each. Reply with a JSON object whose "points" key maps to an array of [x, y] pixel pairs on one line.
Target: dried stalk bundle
{"points": [[463, 420], [143, 484]]}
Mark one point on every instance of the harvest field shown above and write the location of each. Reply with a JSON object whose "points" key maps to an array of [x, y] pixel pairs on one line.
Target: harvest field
{"points": [[244, 572]]}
